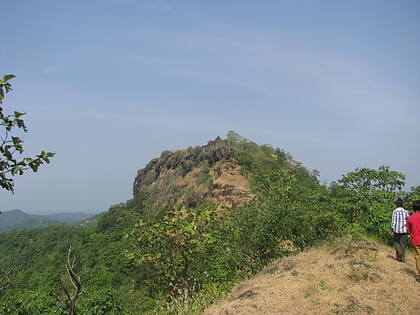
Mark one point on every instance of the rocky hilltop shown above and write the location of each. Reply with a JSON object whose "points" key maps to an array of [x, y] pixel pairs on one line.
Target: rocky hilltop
{"points": [[185, 177]]}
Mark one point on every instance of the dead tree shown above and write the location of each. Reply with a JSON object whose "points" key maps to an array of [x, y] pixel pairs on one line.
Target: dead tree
{"points": [[4, 278], [71, 293]]}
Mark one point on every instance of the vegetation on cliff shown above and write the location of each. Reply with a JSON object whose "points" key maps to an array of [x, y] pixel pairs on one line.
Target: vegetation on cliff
{"points": [[201, 220]]}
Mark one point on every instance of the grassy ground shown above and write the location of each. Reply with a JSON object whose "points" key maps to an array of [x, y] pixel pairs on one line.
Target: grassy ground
{"points": [[348, 277]]}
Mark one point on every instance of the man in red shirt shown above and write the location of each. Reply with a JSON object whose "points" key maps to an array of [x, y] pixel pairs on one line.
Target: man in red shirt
{"points": [[413, 225]]}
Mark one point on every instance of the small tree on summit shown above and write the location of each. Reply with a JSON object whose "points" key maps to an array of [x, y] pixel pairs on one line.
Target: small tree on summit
{"points": [[11, 145]]}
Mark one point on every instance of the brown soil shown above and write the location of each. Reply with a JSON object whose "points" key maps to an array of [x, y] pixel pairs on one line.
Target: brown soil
{"points": [[348, 277]]}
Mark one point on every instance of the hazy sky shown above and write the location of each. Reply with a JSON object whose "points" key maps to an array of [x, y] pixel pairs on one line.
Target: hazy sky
{"points": [[109, 84]]}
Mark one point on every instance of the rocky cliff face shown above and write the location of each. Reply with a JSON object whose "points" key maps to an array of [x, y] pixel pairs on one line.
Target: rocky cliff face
{"points": [[184, 177]]}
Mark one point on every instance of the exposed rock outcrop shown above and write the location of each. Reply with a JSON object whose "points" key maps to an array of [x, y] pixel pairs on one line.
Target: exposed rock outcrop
{"points": [[184, 177]]}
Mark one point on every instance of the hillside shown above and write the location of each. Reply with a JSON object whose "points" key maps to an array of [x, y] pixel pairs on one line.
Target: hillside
{"points": [[185, 177], [18, 220], [205, 218], [344, 278]]}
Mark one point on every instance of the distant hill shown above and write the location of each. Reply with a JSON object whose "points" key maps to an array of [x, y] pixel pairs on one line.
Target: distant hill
{"points": [[19, 220], [69, 217]]}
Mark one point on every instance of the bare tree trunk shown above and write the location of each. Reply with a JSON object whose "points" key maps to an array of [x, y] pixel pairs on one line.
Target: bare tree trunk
{"points": [[4, 278], [71, 297]]}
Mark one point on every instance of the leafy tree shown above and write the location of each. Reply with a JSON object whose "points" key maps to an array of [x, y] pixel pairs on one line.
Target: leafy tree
{"points": [[409, 197], [11, 144], [365, 197], [290, 210], [174, 247], [102, 301], [368, 181], [30, 302]]}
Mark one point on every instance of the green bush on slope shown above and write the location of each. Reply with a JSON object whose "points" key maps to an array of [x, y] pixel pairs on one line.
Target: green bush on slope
{"points": [[179, 260]]}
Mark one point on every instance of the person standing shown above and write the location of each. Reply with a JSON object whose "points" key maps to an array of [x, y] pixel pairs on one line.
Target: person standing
{"points": [[413, 225], [398, 226]]}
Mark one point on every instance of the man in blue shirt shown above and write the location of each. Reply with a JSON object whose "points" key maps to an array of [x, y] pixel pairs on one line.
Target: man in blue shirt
{"points": [[399, 218]]}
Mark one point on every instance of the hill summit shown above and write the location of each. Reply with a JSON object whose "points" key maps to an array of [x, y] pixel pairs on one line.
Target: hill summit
{"points": [[185, 177]]}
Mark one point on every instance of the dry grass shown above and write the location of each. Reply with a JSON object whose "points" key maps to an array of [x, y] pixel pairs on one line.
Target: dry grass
{"points": [[348, 277]]}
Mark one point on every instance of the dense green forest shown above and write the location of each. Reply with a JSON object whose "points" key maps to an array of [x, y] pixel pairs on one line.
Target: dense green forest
{"points": [[181, 259]]}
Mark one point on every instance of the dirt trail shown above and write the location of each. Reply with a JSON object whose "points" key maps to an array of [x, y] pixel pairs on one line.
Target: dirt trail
{"points": [[360, 277]]}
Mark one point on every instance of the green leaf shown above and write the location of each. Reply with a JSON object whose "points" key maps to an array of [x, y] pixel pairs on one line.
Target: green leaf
{"points": [[18, 114], [8, 77]]}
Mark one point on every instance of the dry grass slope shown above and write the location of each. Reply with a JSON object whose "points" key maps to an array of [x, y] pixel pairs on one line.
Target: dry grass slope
{"points": [[349, 277]]}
